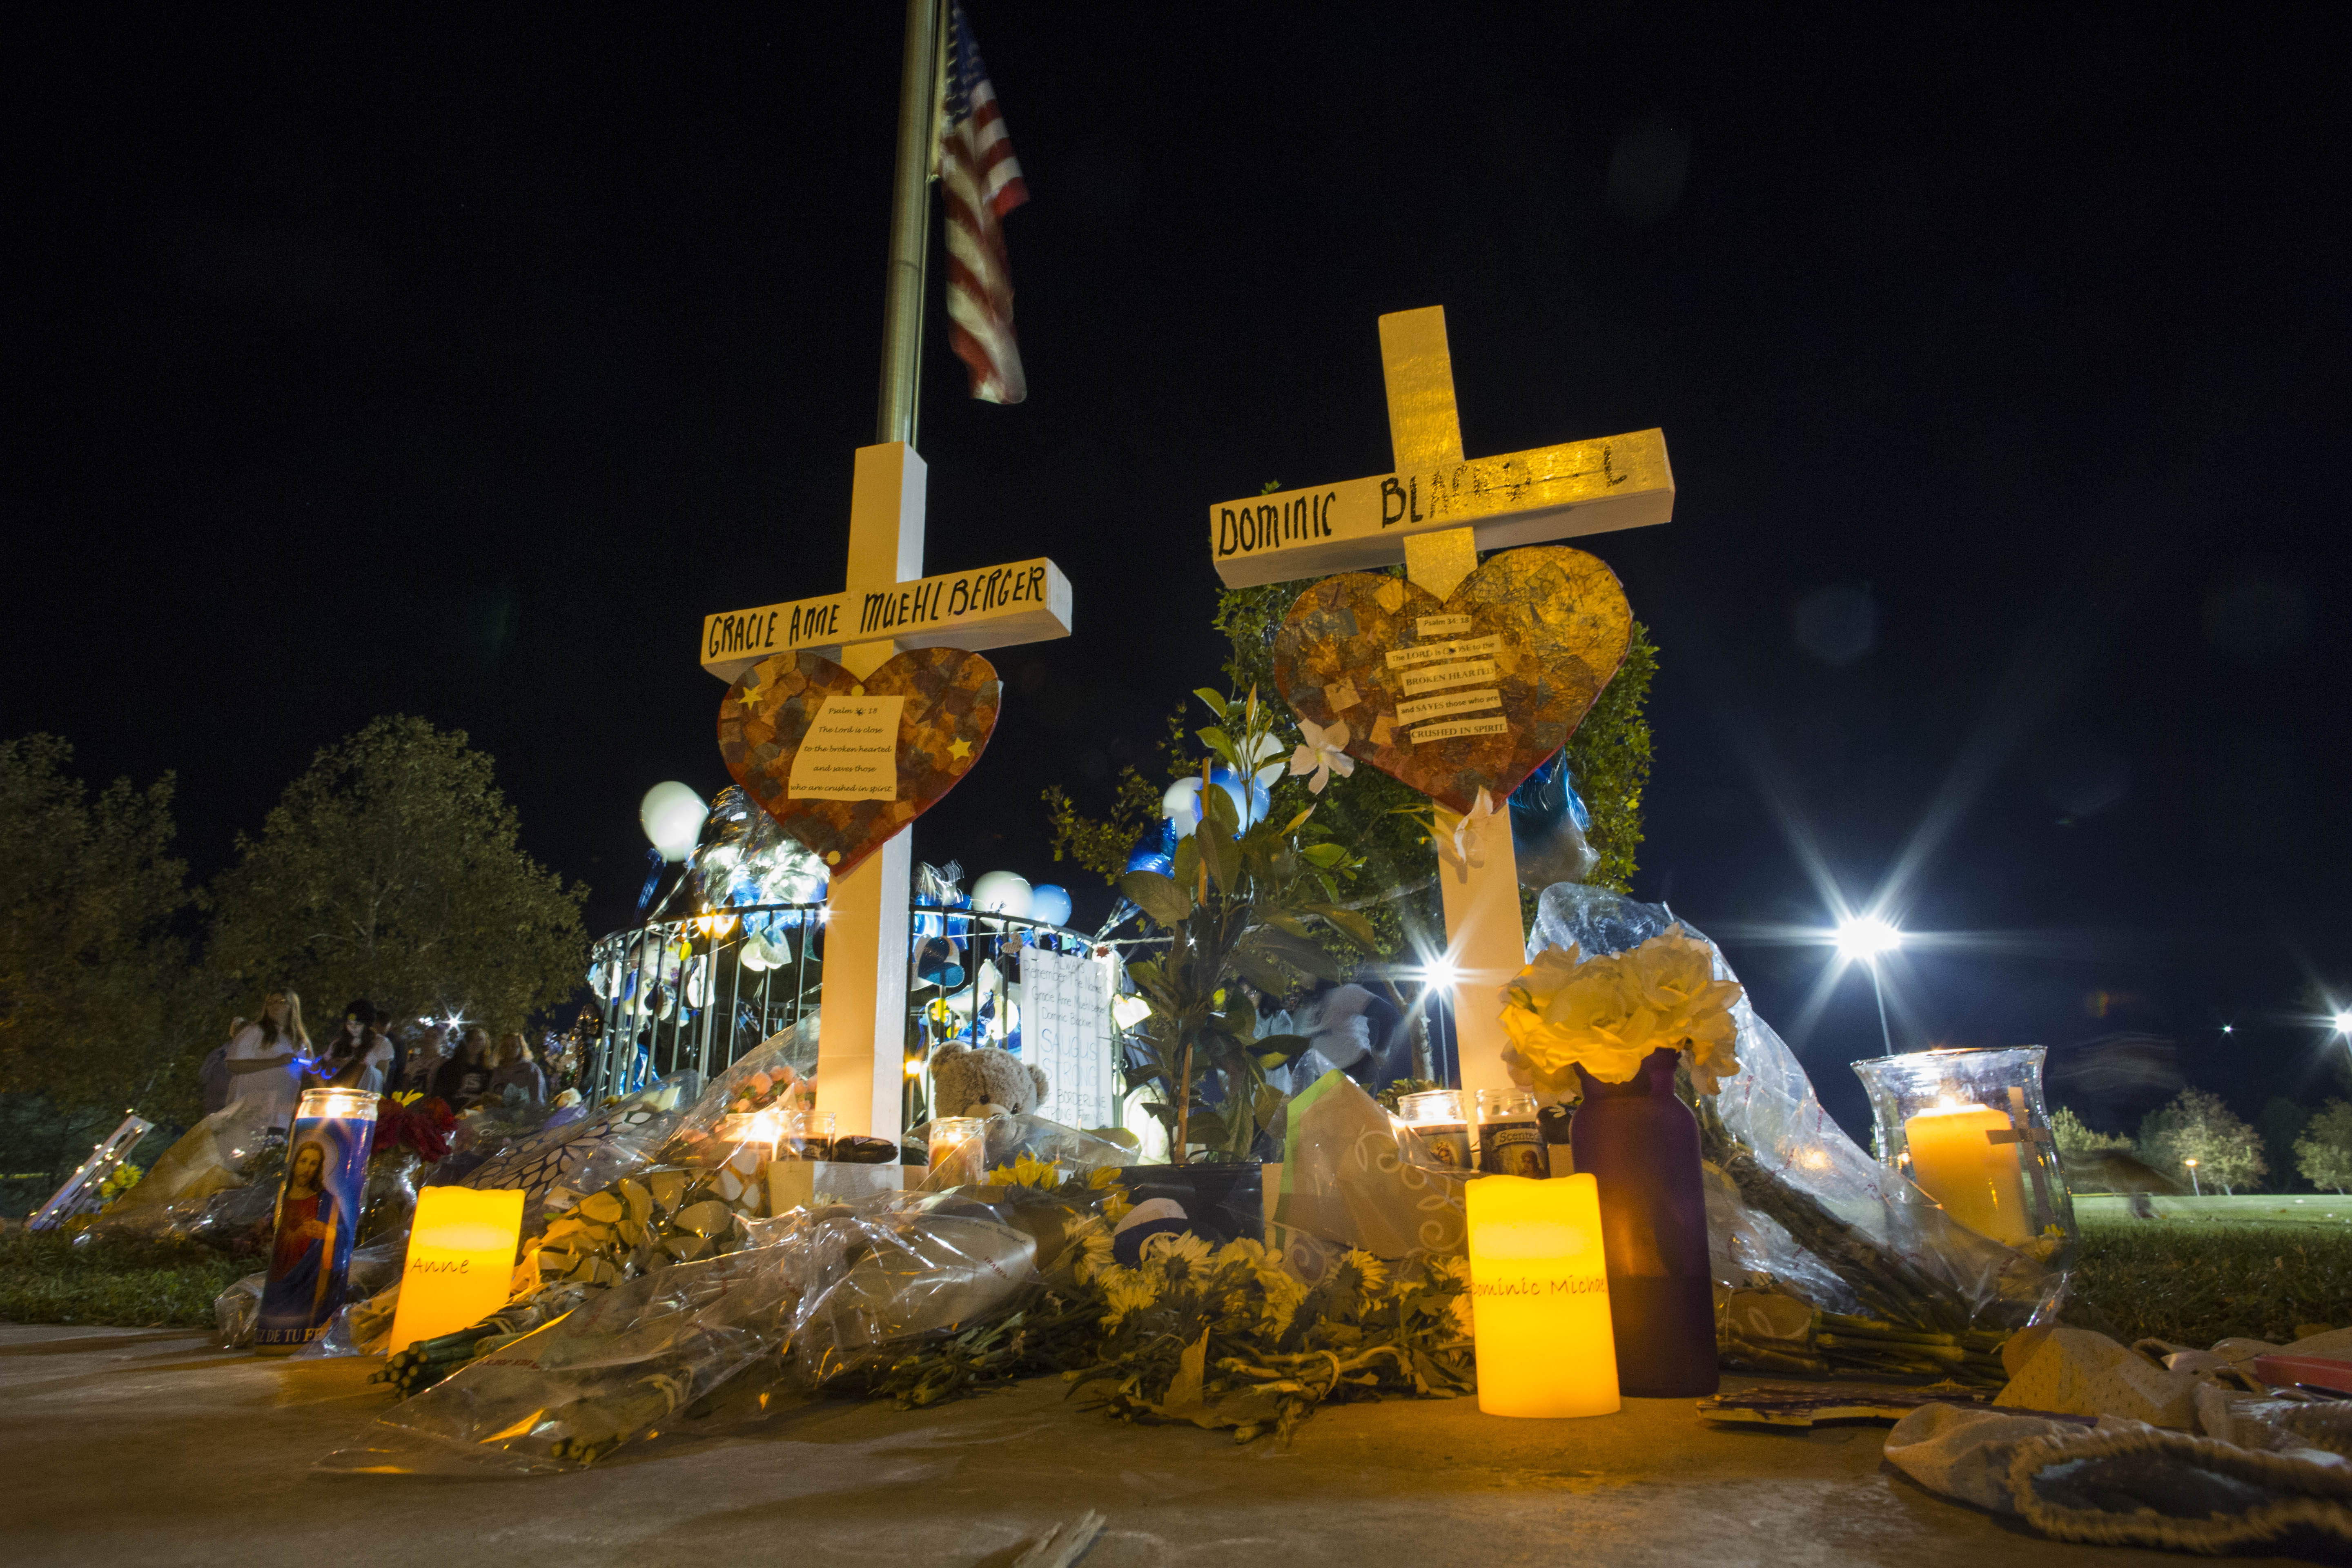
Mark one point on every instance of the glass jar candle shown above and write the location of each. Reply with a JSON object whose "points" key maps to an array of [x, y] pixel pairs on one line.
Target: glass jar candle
{"points": [[318, 1217], [1970, 1130], [957, 1151], [1434, 1119], [1510, 1138]]}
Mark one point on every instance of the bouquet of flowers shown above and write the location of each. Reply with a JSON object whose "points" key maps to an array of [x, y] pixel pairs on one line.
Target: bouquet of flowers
{"points": [[1606, 1013], [410, 1123]]}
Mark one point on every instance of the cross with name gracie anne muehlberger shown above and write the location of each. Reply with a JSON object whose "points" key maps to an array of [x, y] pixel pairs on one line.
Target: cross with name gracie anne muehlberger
{"points": [[887, 605], [1435, 513]]}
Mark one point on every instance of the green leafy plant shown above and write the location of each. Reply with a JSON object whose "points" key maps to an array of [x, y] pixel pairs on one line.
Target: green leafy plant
{"points": [[1236, 909]]}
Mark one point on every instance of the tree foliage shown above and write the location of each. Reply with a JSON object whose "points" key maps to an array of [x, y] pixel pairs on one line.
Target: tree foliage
{"points": [[2323, 1152], [2198, 1126], [93, 977], [2077, 1140], [393, 870]]}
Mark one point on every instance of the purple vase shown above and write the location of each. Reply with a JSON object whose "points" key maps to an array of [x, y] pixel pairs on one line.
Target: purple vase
{"points": [[1641, 1146]]}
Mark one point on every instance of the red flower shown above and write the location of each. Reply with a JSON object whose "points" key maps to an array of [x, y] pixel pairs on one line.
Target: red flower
{"points": [[421, 1129]]}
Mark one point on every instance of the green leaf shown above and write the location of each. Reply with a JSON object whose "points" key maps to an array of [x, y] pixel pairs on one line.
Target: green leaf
{"points": [[1323, 855], [1187, 861], [1217, 741], [1215, 699], [1219, 852], [1347, 922], [1217, 812], [1160, 897], [1273, 1048]]}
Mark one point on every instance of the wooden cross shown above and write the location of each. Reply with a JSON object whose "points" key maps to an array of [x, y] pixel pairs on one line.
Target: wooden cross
{"points": [[889, 605], [1436, 512]]}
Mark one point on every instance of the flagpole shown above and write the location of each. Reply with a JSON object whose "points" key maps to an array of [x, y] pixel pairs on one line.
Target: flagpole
{"points": [[910, 228]]}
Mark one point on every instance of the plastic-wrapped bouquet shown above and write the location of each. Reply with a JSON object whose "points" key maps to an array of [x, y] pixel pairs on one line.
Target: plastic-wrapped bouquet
{"points": [[1607, 1013]]}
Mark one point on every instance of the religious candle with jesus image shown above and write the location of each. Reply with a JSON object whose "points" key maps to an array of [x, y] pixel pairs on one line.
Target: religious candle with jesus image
{"points": [[318, 1217]]}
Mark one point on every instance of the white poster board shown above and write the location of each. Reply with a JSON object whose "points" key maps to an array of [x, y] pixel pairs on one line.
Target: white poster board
{"points": [[1065, 1028]]}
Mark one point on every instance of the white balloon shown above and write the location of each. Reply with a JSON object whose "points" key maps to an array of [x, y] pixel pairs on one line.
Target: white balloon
{"points": [[671, 814], [1182, 805], [1002, 894]]}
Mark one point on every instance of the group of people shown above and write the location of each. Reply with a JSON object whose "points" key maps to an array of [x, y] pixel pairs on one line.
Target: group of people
{"points": [[271, 1059]]}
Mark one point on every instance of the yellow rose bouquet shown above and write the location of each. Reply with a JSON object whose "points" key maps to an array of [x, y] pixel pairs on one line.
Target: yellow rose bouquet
{"points": [[1606, 1013]]}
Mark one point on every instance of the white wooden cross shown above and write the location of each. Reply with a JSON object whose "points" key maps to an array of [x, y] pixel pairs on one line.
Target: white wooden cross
{"points": [[889, 605], [1435, 512]]}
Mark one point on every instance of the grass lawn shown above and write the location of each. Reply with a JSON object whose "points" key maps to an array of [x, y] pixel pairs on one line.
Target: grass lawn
{"points": [[2324, 1209], [48, 1280], [2217, 1279]]}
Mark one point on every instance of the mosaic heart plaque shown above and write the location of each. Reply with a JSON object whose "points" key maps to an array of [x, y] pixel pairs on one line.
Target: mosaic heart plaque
{"points": [[1468, 693], [945, 701]]}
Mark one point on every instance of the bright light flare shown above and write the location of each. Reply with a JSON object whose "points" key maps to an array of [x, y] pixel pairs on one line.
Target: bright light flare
{"points": [[1866, 938], [2343, 1022]]}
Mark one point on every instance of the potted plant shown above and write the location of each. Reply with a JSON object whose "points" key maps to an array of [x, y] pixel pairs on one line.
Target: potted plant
{"points": [[1245, 902]]}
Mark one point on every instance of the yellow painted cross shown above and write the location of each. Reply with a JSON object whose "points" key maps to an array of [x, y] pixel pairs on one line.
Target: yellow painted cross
{"points": [[889, 605], [1435, 512], [1524, 498]]}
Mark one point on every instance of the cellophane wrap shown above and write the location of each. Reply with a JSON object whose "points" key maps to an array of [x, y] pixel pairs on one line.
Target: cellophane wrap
{"points": [[1938, 1268], [820, 1296], [1351, 1179]]}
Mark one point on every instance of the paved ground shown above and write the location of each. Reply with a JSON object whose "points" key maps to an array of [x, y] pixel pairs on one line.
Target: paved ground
{"points": [[123, 1445]]}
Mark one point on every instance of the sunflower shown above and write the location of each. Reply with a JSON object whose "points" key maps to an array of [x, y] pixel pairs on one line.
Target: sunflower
{"points": [[1027, 1171], [1369, 1270], [1176, 1255], [1125, 1291]]}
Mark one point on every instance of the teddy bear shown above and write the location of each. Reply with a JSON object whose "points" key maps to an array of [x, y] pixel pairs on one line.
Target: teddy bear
{"points": [[983, 1081]]}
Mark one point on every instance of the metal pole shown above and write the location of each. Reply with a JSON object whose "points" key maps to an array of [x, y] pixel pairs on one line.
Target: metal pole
{"points": [[910, 228], [1879, 991]]}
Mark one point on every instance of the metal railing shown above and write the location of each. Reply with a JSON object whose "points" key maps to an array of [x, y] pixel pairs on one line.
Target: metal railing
{"points": [[701, 991]]}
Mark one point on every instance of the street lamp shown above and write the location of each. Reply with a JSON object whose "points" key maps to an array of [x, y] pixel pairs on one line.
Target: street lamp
{"points": [[1866, 939], [2194, 1185]]}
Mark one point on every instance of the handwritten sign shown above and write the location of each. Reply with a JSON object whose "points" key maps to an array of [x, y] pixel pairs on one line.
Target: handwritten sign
{"points": [[1524, 498], [1065, 1028], [850, 752], [995, 607]]}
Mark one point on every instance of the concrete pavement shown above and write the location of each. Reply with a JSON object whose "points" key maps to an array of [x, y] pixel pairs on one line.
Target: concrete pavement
{"points": [[123, 1447]]}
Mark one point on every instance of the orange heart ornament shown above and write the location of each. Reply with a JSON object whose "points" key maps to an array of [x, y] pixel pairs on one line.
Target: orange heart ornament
{"points": [[950, 699], [1468, 693]]}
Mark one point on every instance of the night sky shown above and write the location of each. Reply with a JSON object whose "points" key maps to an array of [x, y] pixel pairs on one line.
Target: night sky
{"points": [[458, 363]]}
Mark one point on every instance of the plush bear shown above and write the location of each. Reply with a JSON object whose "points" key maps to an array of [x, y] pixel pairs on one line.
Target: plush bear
{"points": [[983, 1081]]}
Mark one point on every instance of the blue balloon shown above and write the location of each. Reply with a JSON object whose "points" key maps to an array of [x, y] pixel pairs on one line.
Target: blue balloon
{"points": [[1143, 861], [1250, 805], [1050, 903]]}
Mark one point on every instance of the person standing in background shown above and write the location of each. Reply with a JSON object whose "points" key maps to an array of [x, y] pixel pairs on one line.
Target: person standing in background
{"points": [[265, 1058], [359, 1057], [467, 1073], [425, 1058], [515, 1066]]}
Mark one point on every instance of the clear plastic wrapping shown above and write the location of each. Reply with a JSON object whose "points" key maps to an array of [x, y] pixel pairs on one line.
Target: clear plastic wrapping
{"points": [[1885, 1242]]}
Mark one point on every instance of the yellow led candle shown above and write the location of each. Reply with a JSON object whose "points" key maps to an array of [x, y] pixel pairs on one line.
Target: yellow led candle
{"points": [[461, 1257], [1539, 1293], [1977, 1181]]}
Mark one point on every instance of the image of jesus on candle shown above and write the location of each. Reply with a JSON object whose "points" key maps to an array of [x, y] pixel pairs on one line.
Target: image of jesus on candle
{"points": [[301, 1270]]}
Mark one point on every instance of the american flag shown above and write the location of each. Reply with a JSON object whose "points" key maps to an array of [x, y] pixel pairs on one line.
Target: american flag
{"points": [[982, 183]]}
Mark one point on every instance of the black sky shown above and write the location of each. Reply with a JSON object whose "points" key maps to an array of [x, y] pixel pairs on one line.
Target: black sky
{"points": [[457, 364]]}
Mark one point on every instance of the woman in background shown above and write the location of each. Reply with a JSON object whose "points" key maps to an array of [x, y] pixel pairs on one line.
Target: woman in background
{"points": [[264, 1057], [513, 1065], [467, 1073]]}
